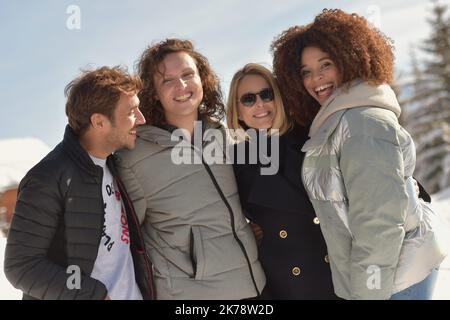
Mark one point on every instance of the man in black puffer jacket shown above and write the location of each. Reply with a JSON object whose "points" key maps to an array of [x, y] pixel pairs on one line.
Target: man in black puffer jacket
{"points": [[74, 233]]}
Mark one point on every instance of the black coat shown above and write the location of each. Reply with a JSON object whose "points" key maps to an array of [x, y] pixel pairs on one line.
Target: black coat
{"points": [[292, 251], [58, 222]]}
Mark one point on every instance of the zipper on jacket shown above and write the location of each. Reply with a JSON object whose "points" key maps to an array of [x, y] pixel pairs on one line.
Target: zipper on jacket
{"points": [[148, 264], [191, 253], [233, 227]]}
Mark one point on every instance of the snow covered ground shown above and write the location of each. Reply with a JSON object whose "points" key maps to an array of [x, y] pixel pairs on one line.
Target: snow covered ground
{"points": [[441, 202], [20, 155], [7, 291]]}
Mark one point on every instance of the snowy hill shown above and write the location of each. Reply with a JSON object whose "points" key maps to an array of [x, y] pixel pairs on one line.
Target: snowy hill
{"points": [[18, 156]]}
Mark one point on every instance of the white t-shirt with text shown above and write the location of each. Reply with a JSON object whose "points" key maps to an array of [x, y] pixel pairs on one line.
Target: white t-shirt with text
{"points": [[114, 264]]}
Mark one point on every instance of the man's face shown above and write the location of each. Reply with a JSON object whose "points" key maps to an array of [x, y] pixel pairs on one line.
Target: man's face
{"points": [[127, 116], [178, 87]]}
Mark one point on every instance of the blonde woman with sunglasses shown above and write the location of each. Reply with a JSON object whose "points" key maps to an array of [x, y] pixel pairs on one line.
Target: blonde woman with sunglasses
{"points": [[292, 250]]}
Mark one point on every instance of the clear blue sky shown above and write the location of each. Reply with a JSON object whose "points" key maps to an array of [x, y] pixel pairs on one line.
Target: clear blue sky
{"points": [[39, 55]]}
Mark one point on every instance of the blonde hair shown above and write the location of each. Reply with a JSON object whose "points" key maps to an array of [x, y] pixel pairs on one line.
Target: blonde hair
{"points": [[280, 122]]}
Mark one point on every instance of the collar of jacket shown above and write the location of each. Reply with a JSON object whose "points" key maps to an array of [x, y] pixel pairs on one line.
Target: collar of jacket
{"points": [[71, 145], [296, 136], [356, 94], [289, 146], [251, 146], [163, 135], [322, 134], [283, 190]]}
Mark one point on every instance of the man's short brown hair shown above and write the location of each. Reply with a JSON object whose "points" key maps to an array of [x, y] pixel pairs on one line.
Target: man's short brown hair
{"points": [[97, 91]]}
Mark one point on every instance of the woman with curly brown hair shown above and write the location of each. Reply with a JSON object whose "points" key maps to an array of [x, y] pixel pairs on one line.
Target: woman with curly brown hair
{"points": [[194, 230], [382, 239]]}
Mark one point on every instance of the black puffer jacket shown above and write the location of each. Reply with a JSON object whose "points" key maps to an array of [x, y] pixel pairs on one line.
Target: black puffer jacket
{"points": [[58, 222]]}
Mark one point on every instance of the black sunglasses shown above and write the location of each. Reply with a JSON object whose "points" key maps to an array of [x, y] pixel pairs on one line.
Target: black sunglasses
{"points": [[249, 99]]}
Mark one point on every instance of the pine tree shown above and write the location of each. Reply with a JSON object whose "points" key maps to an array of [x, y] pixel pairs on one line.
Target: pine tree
{"points": [[428, 110]]}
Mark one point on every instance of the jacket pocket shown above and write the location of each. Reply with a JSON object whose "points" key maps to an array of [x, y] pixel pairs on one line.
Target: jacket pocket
{"points": [[423, 249], [196, 253]]}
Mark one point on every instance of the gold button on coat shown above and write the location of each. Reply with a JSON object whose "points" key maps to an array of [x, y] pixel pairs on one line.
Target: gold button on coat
{"points": [[327, 259], [316, 220], [296, 271], [283, 234]]}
